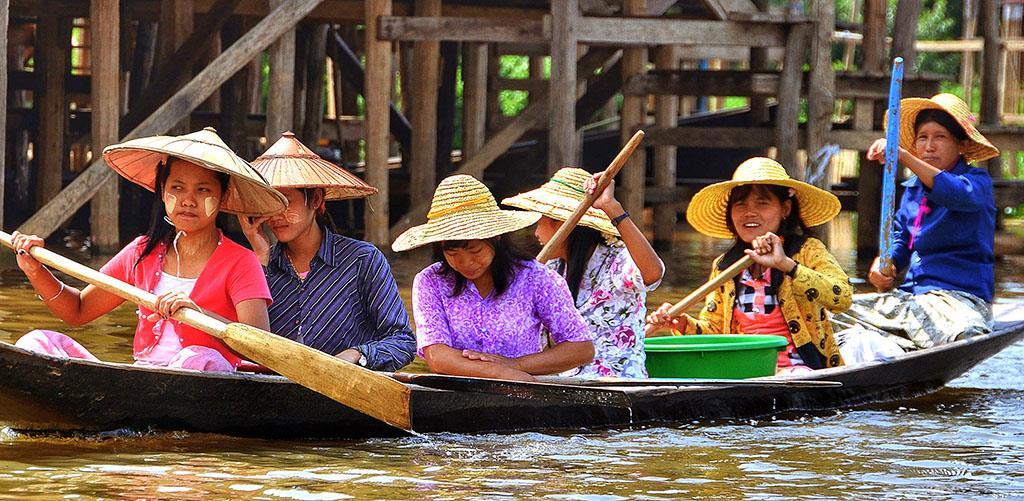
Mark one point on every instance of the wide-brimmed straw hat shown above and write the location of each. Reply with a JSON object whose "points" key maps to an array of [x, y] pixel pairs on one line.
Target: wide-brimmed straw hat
{"points": [[707, 210], [247, 194], [463, 209], [559, 197], [290, 164], [979, 149]]}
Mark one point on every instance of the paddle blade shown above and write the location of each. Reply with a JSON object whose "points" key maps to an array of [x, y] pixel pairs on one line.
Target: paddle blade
{"points": [[361, 389]]}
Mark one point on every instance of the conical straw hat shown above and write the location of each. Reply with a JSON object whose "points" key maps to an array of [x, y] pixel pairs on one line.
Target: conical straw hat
{"points": [[707, 210], [463, 209], [290, 164], [559, 197], [980, 148], [247, 194]]}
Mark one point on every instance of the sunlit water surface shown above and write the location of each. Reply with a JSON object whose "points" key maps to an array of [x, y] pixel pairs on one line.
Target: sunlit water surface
{"points": [[967, 439]]}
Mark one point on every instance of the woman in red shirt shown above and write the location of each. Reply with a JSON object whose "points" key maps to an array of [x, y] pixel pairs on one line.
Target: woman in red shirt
{"points": [[184, 258]]}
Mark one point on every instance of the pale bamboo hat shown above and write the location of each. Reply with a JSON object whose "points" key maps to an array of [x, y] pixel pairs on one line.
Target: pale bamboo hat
{"points": [[290, 164], [707, 209], [559, 197], [463, 209], [248, 193], [980, 148]]}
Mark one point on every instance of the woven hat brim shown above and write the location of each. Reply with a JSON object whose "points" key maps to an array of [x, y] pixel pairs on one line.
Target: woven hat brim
{"points": [[981, 148], [291, 172], [560, 207], [464, 226], [247, 194], [707, 209]]}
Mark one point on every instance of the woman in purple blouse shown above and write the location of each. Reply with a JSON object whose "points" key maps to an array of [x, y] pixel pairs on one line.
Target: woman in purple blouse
{"points": [[480, 310]]}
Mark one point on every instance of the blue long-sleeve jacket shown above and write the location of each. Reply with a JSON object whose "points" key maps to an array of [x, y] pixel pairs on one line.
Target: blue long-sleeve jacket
{"points": [[953, 250]]}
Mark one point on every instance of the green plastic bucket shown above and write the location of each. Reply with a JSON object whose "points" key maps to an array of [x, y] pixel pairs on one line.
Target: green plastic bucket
{"points": [[716, 356]]}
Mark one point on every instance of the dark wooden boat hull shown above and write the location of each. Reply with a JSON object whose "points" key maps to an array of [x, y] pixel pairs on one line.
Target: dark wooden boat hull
{"points": [[48, 394]]}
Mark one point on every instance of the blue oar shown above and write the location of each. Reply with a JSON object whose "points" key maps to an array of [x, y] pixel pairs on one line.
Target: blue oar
{"points": [[892, 145]]}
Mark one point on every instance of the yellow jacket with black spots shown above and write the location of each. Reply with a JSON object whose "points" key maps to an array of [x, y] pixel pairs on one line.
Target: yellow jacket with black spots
{"points": [[820, 286]]}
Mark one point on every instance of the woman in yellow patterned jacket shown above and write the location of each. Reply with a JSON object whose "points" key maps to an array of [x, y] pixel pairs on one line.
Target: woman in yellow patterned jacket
{"points": [[794, 282]]}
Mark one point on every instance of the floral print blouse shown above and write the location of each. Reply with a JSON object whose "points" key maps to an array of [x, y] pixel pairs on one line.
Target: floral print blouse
{"points": [[612, 301]]}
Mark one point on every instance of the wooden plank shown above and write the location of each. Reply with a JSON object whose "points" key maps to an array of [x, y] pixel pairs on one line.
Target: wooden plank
{"points": [[646, 31], [711, 137], [104, 27], [62, 207], [703, 83], [563, 147], [281, 86], [53, 40], [716, 9], [666, 114], [474, 97], [634, 116], [967, 46], [377, 98], [463, 29], [4, 15], [425, 78], [787, 113], [821, 83]]}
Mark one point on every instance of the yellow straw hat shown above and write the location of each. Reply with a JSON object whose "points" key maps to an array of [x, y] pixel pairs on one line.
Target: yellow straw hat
{"points": [[560, 196], [248, 193], [290, 164], [980, 148], [463, 209], [707, 210]]}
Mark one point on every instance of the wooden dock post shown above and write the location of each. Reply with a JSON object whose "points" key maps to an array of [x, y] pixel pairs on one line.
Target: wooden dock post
{"points": [[821, 84], [377, 98], [759, 111], [634, 112], [869, 179], [991, 79], [53, 42], [313, 104], [281, 85], [563, 147], [474, 98], [666, 114], [904, 35], [424, 89], [104, 26], [176, 24], [787, 121], [4, 14]]}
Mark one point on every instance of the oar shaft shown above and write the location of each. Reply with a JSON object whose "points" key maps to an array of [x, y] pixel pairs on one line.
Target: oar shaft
{"points": [[892, 148], [588, 200], [702, 291]]}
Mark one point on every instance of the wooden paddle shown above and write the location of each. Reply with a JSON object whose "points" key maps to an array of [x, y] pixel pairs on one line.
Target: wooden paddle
{"points": [[588, 199], [702, 291], [368, 392], [892, 149]]}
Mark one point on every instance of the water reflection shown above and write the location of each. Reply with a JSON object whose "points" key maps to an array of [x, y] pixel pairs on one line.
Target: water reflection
{"points": [[966, 440]]}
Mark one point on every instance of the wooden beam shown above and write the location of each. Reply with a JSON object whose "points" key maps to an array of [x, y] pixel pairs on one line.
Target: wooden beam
{"points": [[316, 65], [446, 107], [104, 27], [634, 116], [53, 41], [648, 31], [62, 207], [991, 74], [176, 26], [711, 137], [377, 98], [425, 78], [563, 147], [474, 97], [463, 29], [666, 114], [760, 112], [281, 85], [787, 113], [822, 83]]}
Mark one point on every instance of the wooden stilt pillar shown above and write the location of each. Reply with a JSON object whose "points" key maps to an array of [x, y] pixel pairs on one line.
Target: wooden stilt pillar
{"points": [[634, 112], [474, 98], [53, 43], [904, 37], [563, 147], [281, 88], [666, 114], [4, 14], [821, 83], [493, 94], [759, 114], [104, 24], [991, 80], [787, 126], [446, 108], [316, 64], [869, 180], [425, 76], [176, 24], [377, 98]]}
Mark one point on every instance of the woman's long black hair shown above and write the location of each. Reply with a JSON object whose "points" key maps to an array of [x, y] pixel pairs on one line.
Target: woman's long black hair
{"points": [[792, 230], [160, 231], [580, 247], [503, 268]]}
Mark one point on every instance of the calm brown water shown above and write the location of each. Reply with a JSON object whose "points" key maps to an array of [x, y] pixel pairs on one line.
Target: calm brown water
{"points": [[966, 440]]}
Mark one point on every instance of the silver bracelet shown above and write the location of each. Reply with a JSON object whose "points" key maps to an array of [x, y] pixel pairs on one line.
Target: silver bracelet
{"points": [[62, 286]]}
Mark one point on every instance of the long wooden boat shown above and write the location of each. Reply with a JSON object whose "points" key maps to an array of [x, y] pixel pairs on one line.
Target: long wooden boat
{"points": [[48, 394]]}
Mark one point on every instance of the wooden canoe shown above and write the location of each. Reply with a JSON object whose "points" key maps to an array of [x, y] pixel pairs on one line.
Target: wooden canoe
{"points": [[42, 393]]}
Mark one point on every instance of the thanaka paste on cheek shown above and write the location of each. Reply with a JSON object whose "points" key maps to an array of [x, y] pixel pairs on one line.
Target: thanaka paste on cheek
{"points": [[211, 204], [170, 202]]}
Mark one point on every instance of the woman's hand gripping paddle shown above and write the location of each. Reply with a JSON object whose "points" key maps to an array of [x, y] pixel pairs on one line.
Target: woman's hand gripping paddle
{"points": [[372, 394], [588, 200], [702, 291]]}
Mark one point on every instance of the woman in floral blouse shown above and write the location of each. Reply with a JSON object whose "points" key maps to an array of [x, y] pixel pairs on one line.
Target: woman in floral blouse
{"points": [[794, 282], [608, 265]]}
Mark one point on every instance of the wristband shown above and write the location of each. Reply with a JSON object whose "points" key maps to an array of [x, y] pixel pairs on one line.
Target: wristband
{"points": [[62, 286], [792, 273], [620, 218]]}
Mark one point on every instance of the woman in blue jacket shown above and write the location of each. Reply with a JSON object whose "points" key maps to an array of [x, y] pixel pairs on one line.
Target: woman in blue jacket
{"points": [[940, 285]]}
